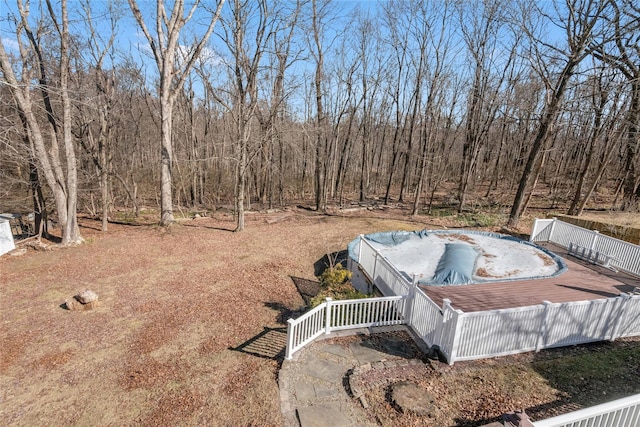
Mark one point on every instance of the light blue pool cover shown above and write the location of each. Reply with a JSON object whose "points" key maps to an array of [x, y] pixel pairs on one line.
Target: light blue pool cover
{"points": [[457, 264]]}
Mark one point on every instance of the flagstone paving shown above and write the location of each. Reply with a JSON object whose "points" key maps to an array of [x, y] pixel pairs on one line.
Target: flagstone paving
{"points": [[313, 385]]}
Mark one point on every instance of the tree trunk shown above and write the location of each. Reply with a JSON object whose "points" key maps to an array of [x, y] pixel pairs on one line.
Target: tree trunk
{"points": [[166, 160], [630, 201], [532, 167]]}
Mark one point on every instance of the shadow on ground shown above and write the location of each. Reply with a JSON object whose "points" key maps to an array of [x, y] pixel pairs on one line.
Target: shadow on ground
{"points": [[271, 344], [306, 288], [330, 260], [588, 374]]}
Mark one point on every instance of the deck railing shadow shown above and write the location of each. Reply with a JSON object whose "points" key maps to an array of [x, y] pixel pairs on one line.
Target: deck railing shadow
{"points": [[270, 344]]}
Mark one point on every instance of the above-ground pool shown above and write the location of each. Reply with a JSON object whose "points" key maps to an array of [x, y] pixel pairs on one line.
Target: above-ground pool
{"points": [[457, 257]]}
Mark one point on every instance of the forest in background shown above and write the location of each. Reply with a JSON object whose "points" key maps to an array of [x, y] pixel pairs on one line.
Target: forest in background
{"points": [[276, 102]]}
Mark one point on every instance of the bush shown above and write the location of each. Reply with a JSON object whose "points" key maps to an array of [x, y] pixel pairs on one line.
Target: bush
{"points": [[335, 284], [335, 277]]}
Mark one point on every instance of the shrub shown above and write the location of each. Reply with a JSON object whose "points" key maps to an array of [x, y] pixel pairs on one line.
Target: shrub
{"points": [[335, 284], [334, 277]]}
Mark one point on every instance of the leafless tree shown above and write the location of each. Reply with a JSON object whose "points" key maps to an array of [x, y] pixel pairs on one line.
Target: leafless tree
{"points": [[317, 47], [174, 62], [580, 20], [63, 184], [620, 47], [244, 65], [483, 27]]}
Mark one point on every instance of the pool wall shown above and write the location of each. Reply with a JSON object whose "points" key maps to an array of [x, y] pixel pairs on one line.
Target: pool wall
{"points": [[392, 238]]}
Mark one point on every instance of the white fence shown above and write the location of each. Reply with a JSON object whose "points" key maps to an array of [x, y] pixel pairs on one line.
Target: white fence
{"points": [[502, 332], [619, 413], [476, 335], [382, 273], [623, 255], [333, 316]]}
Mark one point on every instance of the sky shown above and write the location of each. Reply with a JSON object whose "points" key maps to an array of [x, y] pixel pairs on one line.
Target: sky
{"points": [[133, 45]]}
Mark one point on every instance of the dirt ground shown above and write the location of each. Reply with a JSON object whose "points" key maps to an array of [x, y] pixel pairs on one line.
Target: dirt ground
{"points": [[624, 219], [176, 309]]}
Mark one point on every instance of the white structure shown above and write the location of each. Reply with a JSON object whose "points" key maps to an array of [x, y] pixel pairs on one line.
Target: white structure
{"points": [[619, 413], [467, 336], [6, 238], [475, 335]]}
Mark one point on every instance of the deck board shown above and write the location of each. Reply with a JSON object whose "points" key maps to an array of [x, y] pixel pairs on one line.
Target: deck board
{"points": [[582, 281]]}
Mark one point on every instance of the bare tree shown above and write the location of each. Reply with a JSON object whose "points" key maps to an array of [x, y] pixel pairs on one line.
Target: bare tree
{"points": [[482, 27], [579, 19], [436, 100], [271, 112], [397, 86], [94, 116], [62, 184], [604, 101], [174, 63], [241, 101], [620, 47], [318, 18]]}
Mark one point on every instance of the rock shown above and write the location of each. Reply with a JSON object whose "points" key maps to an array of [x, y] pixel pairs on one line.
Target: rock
{"points": [[18, 252], [410, 397], [86, 296], [85, 300]]}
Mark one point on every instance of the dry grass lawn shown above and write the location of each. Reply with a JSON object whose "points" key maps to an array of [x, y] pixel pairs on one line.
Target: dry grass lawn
{"points": [[176, 307], [173, 305]]}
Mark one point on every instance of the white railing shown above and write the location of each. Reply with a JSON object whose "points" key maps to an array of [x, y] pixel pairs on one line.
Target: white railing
{"points": [[582, 321], [383, 274], [364, 313], [619, 413], [333, 316], [501, 332], [426, 318], [467, 336], [306, 328], [623, 255]]}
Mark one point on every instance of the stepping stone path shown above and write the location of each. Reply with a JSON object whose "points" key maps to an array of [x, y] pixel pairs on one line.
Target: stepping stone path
{"points": [[315, 387]]}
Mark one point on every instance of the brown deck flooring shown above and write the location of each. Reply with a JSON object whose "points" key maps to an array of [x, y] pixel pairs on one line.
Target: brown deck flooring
{"points": [[582, 281]]}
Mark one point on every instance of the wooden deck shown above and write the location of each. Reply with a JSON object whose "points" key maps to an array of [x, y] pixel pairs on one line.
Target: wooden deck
{"points": [[582, 281]]}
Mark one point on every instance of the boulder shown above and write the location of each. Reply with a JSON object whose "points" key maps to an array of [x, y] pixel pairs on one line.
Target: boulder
{"points": [[85, 300], [410, 397], [86, 296], [75, 305]]}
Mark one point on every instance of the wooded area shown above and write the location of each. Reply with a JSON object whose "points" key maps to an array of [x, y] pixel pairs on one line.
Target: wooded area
{"points": [[274, 102]]}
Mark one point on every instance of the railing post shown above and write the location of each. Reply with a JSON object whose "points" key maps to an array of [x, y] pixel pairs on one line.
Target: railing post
{"points": [[459, 320], [375, 265], [534, 231], [622, 306], [408, 315], [542, 335], [327, 318], [290, 326], [553, 226], [446, 302], [594, 237]]}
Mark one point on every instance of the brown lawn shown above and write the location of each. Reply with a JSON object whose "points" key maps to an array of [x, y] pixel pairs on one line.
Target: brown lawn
{"points": [[173, 305], [178, 306]]}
